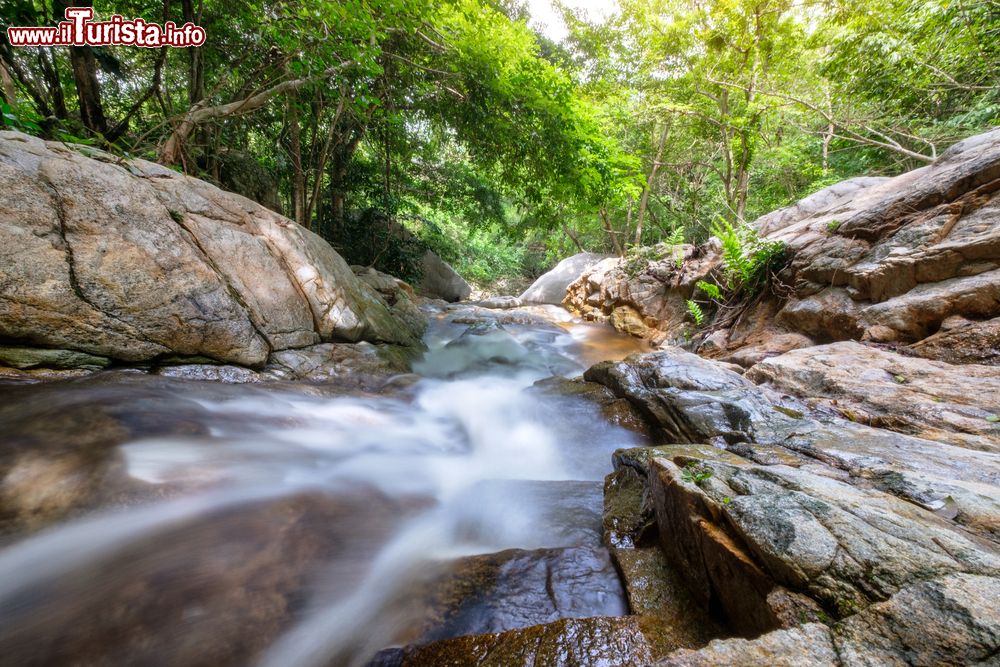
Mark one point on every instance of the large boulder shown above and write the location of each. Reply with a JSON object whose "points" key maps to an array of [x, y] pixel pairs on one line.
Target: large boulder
{"points": [[912, 260], [822, 523], [686, 398], [551, 286], [130, 261], [644, 300], [896, 259], [837, 194], [882, 435], [438, 279]]}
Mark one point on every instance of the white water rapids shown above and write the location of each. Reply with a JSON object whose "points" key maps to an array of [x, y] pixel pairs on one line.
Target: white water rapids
{"points": [[470, 459]]}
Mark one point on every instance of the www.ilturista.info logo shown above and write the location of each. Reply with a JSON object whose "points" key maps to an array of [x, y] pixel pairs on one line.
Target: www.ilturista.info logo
{"points": [[79, 30]]}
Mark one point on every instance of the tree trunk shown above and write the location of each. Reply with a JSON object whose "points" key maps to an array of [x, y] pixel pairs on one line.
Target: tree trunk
{"points": [[21, 74], [7, 84], [196, 73], [830, 129], [644, 200], [52, 83], [315, 200], [88, 89], [572, 237], [84, 65], [606, 223], [298, 174]]}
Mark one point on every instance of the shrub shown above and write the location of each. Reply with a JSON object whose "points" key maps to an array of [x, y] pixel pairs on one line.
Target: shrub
{"points": [[695, 473]]}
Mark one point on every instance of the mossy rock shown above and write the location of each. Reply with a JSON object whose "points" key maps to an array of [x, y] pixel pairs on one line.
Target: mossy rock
{"points": [[36, 357]]}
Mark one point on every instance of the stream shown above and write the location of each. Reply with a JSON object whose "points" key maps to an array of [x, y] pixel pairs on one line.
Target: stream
{"points": [[157, 521]]}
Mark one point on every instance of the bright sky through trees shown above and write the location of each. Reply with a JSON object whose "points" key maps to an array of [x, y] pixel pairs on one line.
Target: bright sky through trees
{"points": [[546, 18]]}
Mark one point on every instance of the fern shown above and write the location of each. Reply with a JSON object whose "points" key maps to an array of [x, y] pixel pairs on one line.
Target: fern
{"points": [[696, 313], [676, 236], [711, 289], [746, 258]]}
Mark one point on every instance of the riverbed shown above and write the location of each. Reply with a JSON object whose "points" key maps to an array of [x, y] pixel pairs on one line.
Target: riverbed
{"points": [[159, 521]]}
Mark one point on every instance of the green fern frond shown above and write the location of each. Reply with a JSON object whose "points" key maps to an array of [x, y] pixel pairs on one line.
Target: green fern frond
{"points": [[696, 313], [747, 259], [676, 236], [711, 289]]}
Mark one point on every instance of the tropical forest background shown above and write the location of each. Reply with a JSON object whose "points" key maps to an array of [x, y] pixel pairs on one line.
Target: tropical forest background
{"points": [[503, 149]]}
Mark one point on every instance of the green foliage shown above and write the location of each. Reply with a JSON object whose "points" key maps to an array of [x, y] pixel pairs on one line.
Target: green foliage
{"points": [[747, 259], [371, 239], [676, 236], [17, 119], [696, 313], [711, 289], [695, 473], [504, 151], [919, 71], [833, 226], [483, 254]]}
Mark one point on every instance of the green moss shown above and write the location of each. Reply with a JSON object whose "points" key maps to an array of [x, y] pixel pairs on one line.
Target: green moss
{"points": [[32, 357], [794, 414]]}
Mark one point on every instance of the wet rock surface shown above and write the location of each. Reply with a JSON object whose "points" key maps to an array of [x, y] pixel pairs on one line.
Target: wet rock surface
{"points": [[928, 399], [686, 398], [516, 589], [617, 411], [821, 540], [659, 594], [500, 302], [591, 641], [214, 588], [359, 365]]}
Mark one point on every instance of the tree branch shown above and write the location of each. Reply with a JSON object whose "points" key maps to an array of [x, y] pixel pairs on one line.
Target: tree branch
{"points": [[170, 151]]}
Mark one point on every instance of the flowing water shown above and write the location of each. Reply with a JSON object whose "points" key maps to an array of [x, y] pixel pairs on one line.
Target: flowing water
{"points": [[155, 521]]}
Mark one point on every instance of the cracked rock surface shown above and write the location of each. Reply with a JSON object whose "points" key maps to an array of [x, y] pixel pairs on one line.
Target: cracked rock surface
{"points": [[130, 261], [843, 512]]}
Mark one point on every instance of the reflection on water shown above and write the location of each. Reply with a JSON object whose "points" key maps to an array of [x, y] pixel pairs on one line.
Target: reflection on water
{"points": [[250, 525]]}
